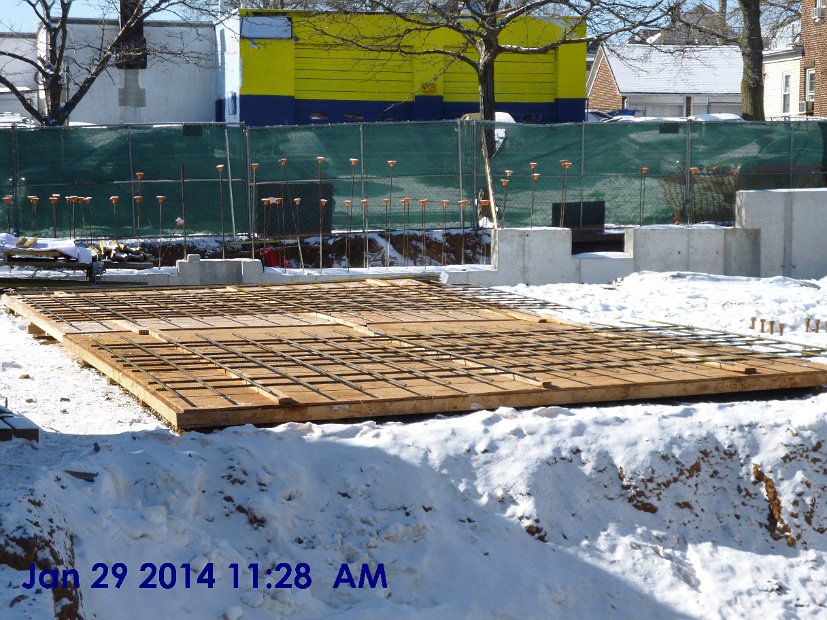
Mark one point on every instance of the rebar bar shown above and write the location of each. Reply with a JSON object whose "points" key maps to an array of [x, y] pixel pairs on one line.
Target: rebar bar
{"points": [[220, 169]]}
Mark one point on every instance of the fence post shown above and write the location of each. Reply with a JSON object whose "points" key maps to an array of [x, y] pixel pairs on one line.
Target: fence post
{"points": [[582, 166], [687, 176], [15, 181], [131, 179], [230, 176], [459, 155], [362, 171], [474, 156], [248, 193], [792, 143]]}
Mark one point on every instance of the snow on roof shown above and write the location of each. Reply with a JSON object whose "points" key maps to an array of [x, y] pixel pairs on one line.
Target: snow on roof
{"points": [[676, 68]]}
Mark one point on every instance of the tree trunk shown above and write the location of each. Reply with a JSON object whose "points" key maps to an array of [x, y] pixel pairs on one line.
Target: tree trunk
{"points": [[488, 102], [752, 52]]}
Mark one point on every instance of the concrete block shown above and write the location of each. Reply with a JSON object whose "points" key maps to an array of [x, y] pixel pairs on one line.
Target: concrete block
{"points": [[148, 277], [252, 272], [806, 254], [766, 211], [792, 229], [742, 252], [189, 271], [605, 267], [707, 250], [659, 248], [508, 253]]}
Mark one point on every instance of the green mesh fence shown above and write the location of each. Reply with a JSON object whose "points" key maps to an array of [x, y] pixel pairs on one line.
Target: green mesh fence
{"points": [[617, 174]]}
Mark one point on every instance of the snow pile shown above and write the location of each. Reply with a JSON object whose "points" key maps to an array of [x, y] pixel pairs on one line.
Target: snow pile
{"points": [[677, 509]]}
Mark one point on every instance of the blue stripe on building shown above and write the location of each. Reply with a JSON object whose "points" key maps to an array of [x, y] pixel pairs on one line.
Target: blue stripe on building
{"points": [[263, 110]]}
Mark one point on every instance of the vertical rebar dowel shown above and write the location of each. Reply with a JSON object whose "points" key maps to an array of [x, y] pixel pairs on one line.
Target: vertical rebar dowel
{"points": [[691, 210], [138, 200], [322, 203], [268, 213], [220, 169], [279, 203], [33, 200], [183, 218], [349, 207], [265, 203], [643, 172], [53, 200], [353, 163], [70, 211], [391, 165], [364, 203], [566, 165], [534, 177], [87, 215], [444, 230], [253, 223], [422, 203], [160, 200], [506, 181], [296, 203], [7, 201], [462, 204], [485, 205], [406, 207]]}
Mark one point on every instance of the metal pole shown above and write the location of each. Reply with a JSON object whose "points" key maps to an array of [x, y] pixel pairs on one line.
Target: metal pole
{"points": [[131, 178], [220, 168], [687, 165], [322, 204], [582, 166], [391, 164], [230, 178], [183, 212], [253, 204], [15, 182]]}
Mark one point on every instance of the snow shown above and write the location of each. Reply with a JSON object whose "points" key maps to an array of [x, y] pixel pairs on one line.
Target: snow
{"points": [[706, 69], [630, 510]]}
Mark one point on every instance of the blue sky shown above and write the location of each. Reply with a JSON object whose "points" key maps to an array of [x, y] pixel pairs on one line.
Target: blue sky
{"points": [[19, 17]]}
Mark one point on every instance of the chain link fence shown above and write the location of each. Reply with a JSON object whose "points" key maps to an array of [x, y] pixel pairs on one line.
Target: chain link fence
{"points": [[577, 175]]}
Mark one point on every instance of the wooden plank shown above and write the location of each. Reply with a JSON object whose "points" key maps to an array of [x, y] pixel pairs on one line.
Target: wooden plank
{"points": [[215, 356]]}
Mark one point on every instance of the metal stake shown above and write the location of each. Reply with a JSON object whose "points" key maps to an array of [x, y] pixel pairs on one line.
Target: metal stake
{"points": [[53, 199], [444, 204], [566, 165], [462, 204], [387, 201], [643, 172], [534, 177], [7, 200], [322, 203], [253, 223], [220, 169], [160, 200], [422, 203]]}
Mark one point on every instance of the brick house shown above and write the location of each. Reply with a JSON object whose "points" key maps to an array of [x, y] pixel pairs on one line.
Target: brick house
{"points": [[667, 80], [813, 76]]}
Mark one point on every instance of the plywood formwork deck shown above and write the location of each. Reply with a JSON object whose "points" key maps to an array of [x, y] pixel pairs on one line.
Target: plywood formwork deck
{"points": [[234, 355]]}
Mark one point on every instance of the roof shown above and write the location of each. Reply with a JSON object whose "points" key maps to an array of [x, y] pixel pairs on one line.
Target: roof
{"points": [[684, 69]]}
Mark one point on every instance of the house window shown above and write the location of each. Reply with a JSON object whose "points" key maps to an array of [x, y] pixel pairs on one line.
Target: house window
{"points": [[785, 93], [810, 85]]}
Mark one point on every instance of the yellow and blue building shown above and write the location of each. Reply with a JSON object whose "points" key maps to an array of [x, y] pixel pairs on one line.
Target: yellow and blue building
{"points": [[293, 68]]}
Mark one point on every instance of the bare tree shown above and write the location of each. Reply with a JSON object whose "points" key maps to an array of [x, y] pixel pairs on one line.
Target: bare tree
{"points": [[122, 45], [749, 26], [480, 25]]}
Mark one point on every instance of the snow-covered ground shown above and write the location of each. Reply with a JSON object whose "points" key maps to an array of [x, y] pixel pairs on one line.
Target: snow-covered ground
{"points": [[678, 509]]}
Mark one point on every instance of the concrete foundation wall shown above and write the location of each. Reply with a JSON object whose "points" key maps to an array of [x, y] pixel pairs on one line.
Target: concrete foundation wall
{"points": [[776, 233]]}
